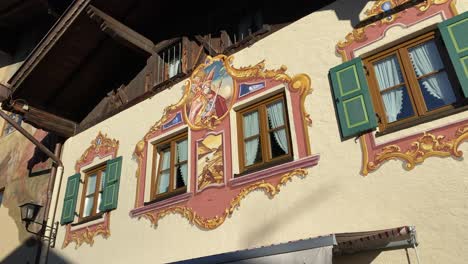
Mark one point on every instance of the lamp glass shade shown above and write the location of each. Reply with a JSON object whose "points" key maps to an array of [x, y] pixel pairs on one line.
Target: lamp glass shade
{"points": [[29, 211]]}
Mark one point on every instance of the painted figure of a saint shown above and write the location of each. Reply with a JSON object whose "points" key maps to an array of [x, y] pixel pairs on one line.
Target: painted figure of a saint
{"points": [[207, 102]]}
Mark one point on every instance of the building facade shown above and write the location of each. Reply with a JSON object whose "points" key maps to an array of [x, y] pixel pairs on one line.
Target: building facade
{"points": [[349, 122]]}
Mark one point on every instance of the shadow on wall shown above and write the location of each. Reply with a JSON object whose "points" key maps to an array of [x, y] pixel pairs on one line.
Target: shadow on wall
{"points": [[26, 253], [26, 174], [349, 10], [307, 204]]}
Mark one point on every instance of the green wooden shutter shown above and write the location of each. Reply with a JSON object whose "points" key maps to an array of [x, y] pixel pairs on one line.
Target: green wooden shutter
{"points": [[455, 35], [110, 190], [352, 99], [69, 201]]}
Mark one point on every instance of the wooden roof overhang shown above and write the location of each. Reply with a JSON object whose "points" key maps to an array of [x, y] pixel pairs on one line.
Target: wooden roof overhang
{"points": [[76, 64]]}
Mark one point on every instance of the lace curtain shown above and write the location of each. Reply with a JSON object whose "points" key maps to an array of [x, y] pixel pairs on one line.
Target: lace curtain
{"points": [[182, 155], [276, 117], [388, 74], [165, 173], [251, 128], [426, 59]]}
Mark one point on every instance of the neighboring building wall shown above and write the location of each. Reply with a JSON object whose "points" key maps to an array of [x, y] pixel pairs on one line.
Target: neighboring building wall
{"points": [[334, 197], [21, 185]]}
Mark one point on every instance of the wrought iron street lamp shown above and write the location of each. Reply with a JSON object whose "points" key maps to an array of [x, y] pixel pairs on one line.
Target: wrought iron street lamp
{"points": [[29, 212]]}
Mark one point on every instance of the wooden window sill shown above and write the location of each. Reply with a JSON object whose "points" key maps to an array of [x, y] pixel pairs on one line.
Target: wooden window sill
{"points": [[269, 171], [89, 219], [164, 196], [264, 166], [424, 119], [158, 204]]}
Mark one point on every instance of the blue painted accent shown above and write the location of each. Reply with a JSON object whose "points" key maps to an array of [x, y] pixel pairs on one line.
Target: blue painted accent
{"points": [[176, 120], [386, 6], [250, 88]]}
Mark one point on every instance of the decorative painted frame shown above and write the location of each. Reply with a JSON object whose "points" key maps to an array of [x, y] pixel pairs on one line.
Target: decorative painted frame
{"points": [[414, 149], [101, 147], [209, 207]]}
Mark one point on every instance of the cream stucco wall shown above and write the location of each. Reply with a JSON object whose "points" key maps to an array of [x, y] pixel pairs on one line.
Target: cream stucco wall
{"points": [[333, 198]]}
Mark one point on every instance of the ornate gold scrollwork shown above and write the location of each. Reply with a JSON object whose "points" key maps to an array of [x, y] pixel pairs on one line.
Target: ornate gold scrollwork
{"points": [[87, 235], [424, 147], [101, 144], [359, 34], [214, 222]]}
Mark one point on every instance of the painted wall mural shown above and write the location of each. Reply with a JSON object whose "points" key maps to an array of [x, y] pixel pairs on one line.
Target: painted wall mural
{"points": [[100, 148], [210, 161], [415, 149], [24, 173], [207, 104], [210, 96]]}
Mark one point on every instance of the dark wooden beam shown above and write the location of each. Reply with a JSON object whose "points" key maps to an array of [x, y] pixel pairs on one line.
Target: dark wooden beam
{"points": [[43, 120], [212, 51], [4, 92], [120, 32]]}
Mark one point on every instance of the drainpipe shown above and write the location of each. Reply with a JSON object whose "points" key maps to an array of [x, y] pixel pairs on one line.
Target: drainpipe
{"points": [[44, 247]]}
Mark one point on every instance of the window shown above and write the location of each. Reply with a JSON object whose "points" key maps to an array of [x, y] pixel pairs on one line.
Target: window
{"points": [[2, 191], [99, 192], [7, 127], [168, 62], [263, 132], [410, 81], [171, 175], [92, 192]]}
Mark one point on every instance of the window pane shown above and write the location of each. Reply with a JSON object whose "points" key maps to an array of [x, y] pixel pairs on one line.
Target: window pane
{"points": [[253, 151], [166, 159], [182, 151], [91, 188], [250, 123], [278, 143], [88, 208], [425, 58], [388, 72], [397, 104], [437, 91], [103, 180], [275, 115], [396, 101], [163, 185], [181, 176]]}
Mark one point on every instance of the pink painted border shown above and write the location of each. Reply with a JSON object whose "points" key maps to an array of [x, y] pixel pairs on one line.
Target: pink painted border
{"points": [[201, 203], [213, 200], [89, 159], [279, 169], [376, 32], [406, 18]]}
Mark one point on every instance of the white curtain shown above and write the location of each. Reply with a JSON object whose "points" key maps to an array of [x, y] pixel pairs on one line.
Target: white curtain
{"points": [[276, 116], [426, 59], [251, 128], [164, 177], [388, 74], [89, 200], [182, 154], [103, 180], [173, 68]]}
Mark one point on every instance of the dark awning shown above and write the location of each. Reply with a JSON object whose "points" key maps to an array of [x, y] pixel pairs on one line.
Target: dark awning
{"points": [[318, 250]]}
